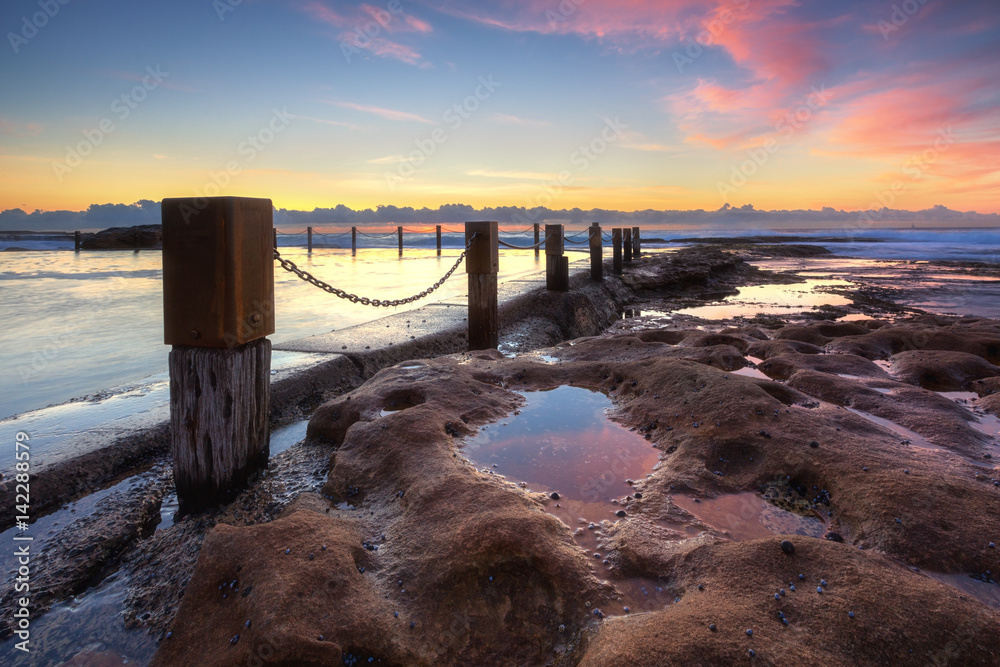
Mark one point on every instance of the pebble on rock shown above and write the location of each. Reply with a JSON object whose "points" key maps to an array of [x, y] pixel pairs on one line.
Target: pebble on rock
{"points": [[787, 547], [711, 626]]}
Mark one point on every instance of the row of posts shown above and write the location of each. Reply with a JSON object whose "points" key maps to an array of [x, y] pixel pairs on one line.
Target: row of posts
{"points": [[219, 308], [629, 238], [631, 243]]}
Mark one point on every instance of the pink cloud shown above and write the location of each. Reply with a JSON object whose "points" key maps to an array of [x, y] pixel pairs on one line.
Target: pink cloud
{"points": [[388, 114], [365, 28], [321, 12], [781, 54]]}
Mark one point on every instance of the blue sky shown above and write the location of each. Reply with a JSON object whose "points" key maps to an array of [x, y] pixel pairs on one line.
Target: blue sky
{"points": [[682, 103]]}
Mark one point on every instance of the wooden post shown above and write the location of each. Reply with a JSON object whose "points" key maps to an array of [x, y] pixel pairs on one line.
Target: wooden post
{"points": [[627, 243], [439, 239], [556, 263], [77, 240], [635, 243], [596, 253], [616, 243], [537, 249], [309, 239], [354, 241], [218, 306], [399, 233], [482, 262]]}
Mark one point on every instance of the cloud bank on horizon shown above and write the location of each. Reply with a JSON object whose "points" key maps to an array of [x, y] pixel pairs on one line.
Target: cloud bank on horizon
{"points": [[592, 104], [147, 212]]}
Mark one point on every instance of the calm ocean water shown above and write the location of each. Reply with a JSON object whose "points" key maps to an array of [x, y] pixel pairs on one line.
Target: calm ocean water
{"points": [[79, 323]]}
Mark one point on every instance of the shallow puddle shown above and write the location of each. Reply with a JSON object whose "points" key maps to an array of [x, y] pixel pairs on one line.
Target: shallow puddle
{"points": [[884, 364], [286, 435], [562, 441], [91, 624], [985, 592], [986, 423], [773, 300], [747, 516], [912, 437], [751, 371]]}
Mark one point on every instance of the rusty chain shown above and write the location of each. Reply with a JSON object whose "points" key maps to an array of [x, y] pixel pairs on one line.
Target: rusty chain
{"points": [[290, 266]]}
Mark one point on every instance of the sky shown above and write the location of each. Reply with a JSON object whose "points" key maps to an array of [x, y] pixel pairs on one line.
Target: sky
{"points": [[612, 104]]}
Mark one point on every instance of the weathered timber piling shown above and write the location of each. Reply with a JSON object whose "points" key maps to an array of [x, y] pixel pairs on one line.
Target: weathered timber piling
{"points": [[616, 245], [537, 248], [556, 263], [354, 241], [636, 246], [482, 263], [399, 235], [218, 306], [77, 240], [309, 239], [627, 243], [596, 253], [439, 240]]}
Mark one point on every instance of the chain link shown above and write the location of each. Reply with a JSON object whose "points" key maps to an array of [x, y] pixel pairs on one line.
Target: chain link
{"points": [[290, 266]]}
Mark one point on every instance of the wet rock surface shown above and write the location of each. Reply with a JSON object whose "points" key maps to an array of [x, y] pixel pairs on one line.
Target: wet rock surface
{"points": [[125, 238], [486, 576], [87, 549], [428, 560]]}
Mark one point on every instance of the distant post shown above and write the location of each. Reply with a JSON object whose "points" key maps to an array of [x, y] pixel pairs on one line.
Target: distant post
{"points": [[482, 262], [399, 233], [616, 244], [354, 241], [309, 239], [77, 240], [596, 253], [627, 243], [439, 239], [218, 306], [636, 246], [536, 241], [556, 263]]}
